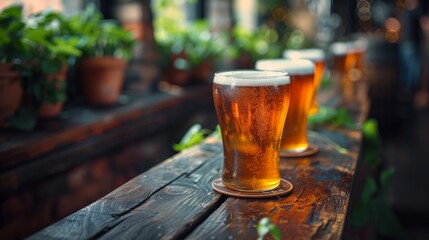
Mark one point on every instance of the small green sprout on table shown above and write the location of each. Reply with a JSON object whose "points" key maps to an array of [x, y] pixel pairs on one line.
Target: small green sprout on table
{"points": [[193, 136], [265, 226], [339, 117]]}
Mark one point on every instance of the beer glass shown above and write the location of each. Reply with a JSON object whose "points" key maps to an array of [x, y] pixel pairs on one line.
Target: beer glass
{"points": [[294, 139], [317, 56], [338, 70], [353, 80], [348, 68], [251, 108]]}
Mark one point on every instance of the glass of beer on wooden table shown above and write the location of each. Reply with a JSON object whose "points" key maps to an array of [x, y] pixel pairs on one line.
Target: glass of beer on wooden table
{"points": [[339, 52], [251, 108], [348, 69], [317, 56], [294, 139]]}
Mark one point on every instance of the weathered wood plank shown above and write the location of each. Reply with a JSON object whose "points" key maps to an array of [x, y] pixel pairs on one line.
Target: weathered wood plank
{"points": [[114, 207], [80, 225], [316, 208], [175, 210], [139, 189]]}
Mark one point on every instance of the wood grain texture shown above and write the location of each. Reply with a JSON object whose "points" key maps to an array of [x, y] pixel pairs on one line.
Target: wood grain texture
{"points": [[138, 190], [118, 205], [80, 225], [174, 200], [316, 208], [175, 210]]}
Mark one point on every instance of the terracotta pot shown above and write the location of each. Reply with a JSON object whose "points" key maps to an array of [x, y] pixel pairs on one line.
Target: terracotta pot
{"points": [[10, 91], [102, 79], [48, 110]]}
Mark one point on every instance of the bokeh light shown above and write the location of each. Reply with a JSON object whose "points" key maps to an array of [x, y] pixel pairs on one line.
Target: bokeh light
{"points": [[279, 14], [391, 36], [392, 24]]}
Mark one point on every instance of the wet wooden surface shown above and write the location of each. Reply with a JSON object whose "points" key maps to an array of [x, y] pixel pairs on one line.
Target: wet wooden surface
{"points": [[174, 200]]}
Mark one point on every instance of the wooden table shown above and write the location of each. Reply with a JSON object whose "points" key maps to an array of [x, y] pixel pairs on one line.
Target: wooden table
{"points": [[174, 200]]}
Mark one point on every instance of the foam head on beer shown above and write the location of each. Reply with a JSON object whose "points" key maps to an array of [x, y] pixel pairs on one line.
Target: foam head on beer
{"points": [[251, 108], [313, 54], [293, 67], [339, 48], [251, 78]]}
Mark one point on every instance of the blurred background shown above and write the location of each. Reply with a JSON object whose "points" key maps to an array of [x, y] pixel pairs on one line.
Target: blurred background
{"points": [[173, 48]]}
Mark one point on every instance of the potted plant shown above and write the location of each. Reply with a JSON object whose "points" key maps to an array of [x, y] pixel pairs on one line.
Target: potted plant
{"points": [[188, 52], [12, 50], [55, 48], [40, 51], [248, 46], [106, 48], [187, 49]]}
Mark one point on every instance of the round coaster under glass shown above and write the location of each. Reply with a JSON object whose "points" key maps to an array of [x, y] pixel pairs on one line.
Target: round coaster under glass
{"points": [[285, 187], [311, 150]]}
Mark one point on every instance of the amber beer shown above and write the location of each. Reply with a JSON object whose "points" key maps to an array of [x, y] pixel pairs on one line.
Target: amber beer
{"points": [[347, 67], [338, 69], [317, 56], [301, 72], [251, 107]]}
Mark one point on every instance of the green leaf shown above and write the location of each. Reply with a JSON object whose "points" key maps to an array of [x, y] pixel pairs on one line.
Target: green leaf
{"points": [[326, 82], [191, 132], [386, 223], [361, 212], [193, 136], [369, 190], [342, 118], [385, 179], [38, 36], [50, 66], [370, 129], [59, 96], [372, 143], [14, 11], [218, 132], [275, 232], [327, 115], [265, 226]]}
